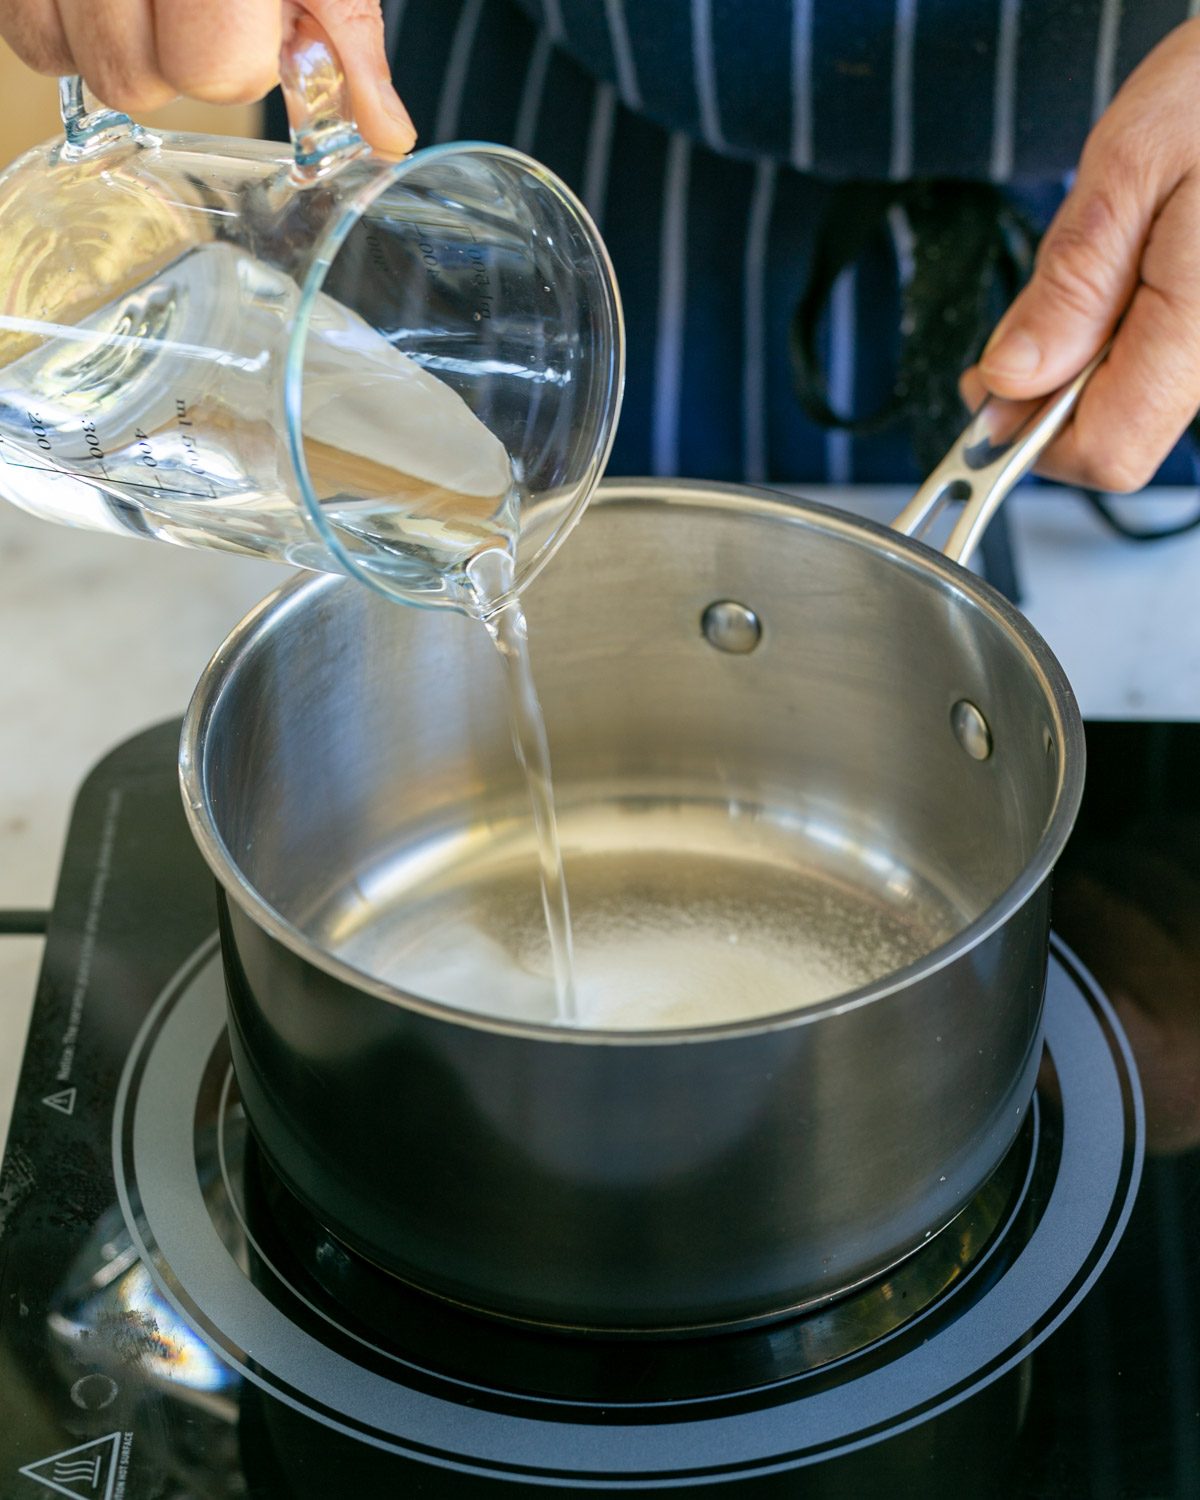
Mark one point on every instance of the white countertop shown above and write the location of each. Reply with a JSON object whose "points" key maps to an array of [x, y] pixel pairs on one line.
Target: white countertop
{"points": [[1122, 617], [101, 636]]}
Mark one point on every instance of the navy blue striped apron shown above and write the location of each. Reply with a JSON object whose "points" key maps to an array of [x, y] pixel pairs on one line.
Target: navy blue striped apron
{"points": [[712, 139]]}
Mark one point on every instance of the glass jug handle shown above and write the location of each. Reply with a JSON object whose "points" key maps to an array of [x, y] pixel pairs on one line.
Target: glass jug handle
{"points": [[321, 126], [86, 129]]}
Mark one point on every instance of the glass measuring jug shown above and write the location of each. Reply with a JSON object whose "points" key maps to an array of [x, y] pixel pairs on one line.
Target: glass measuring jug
{"points": [[328, 356]]}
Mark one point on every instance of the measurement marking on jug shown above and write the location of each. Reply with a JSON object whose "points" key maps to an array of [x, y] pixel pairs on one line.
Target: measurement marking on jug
{"points": [[48, 470], [375, 252], [191, 452], [28, 461], [159, 488], [480, 278], [92, 439], [145, 452], [429, 256]]}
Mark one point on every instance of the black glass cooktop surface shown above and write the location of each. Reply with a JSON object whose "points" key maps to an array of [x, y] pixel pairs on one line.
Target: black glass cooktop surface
{"points": [[172, 1324]]}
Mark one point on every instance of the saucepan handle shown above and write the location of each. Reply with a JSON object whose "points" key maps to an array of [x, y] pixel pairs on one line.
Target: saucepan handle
{"points": [[998, 447]]}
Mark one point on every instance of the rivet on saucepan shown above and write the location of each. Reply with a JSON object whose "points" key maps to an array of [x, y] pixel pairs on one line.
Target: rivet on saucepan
{"points": [[971, 729], [1047, 740], [730, 626]]}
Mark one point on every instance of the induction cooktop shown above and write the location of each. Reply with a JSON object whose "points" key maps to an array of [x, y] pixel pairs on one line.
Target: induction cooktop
{"points": [[173, 1323]]}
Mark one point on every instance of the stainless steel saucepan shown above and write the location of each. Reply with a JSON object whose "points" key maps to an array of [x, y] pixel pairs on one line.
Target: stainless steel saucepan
{"points": [[730, 680]]}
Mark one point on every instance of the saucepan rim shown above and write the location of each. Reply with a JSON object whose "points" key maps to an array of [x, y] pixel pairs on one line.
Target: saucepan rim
{"points": [[898, 550]]}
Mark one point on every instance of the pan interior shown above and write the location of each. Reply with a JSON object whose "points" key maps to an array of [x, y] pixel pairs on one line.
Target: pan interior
{"points": [[684, 913], [744, 833]]}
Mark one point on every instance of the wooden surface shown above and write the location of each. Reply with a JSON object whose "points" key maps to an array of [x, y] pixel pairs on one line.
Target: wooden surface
{"points": [[29, 111]]}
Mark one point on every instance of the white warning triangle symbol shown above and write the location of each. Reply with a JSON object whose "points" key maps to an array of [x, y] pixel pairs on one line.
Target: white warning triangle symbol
{"points": [[63, 1101], [88, 1472]]}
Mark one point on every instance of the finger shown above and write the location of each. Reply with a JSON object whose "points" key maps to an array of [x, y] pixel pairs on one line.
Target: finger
{"points": [[1137, 405], [113, 45], [355, 29], [223, 54], [1087, 265], [972, 388], [35, 33], [1086, 271]]}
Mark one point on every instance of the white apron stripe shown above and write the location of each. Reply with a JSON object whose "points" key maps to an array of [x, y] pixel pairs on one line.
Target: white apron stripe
{"points": [[754, 372], [457, 66], [393, 17], [599, 151], [552, 13], [1004, 97], [903, 244], [531, 94], [1106, 56], [841, 373], [704, 66], [802, 123], [618, 32], [902, 89], [672, 292]]}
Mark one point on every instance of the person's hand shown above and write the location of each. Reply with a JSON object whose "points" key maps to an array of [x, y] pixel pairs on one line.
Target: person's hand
{"points": [[1124, 246], [136, 55]]}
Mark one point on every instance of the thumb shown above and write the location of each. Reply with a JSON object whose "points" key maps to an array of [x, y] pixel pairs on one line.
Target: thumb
{"points": [[1086, 273], [355, 30]]}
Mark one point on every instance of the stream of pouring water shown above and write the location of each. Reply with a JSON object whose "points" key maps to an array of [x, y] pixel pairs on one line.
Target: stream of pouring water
{"points": [[489, 575]]}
